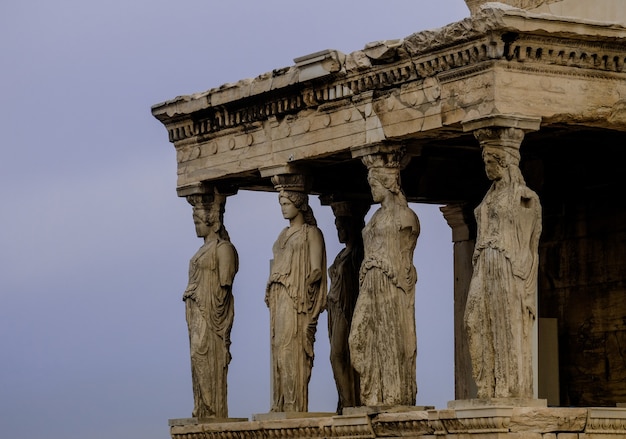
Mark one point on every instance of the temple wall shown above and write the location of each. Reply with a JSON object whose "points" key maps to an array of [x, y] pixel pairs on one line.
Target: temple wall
{"points": [[582, 284], [551, 96], [608, 11]]}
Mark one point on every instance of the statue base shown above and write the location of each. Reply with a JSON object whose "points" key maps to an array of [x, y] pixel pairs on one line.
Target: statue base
{"points": [[277, 416], [495, 421], [461, 404], [376, 409], [197, 421]]}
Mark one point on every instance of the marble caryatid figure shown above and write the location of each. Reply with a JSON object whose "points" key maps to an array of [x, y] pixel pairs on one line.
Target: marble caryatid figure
{"points": [[501, 303], [209, 306], [342, 296], [383, 344], [295, 295]]}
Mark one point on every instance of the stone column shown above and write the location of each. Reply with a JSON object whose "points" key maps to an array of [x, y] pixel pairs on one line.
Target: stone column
{"points": [[209, 303], [461, 221], [295, 295], [382, 337], [500, 315], [343, 293]]}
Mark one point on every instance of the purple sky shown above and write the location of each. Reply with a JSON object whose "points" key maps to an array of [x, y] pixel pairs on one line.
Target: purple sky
{"points": [[94, 242]]}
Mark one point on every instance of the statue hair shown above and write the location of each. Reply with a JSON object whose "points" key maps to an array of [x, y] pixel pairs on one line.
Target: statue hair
{"points": [[301, 201], [389, 178], [212, 214], [509, 161]]}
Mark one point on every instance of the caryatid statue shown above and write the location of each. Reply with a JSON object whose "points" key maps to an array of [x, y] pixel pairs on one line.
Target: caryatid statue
{"points": [[295, 295], [501, 303], [383, 343], [209, 306], [342, 296]]}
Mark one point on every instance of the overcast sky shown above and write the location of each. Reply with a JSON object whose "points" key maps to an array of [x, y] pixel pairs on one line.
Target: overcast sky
{"points": [[94, 242]]}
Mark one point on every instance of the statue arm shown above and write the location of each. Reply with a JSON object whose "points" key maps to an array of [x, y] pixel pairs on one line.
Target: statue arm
{"points": [[523, 249], [408, 219], [227, 264], [316, 256]]}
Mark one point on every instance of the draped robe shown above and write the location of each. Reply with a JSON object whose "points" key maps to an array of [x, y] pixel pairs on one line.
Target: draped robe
{"points": [[294, 310], [342, 297], [383, 342], [209, 308], [501, 303]]}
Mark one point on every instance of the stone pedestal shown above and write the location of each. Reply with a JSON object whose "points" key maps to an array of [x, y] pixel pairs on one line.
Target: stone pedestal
{"points": [[467, 404], [479, 419], [279, 416], [376, 410], [178, 422]]}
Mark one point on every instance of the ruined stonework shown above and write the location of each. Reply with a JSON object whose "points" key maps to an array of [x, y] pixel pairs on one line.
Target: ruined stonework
{"points": [[502, 299], [295, 296], [342, 297], [209, 306], [383, 344], [479, 423], [581, 275], [475, 5], [553, 71]]}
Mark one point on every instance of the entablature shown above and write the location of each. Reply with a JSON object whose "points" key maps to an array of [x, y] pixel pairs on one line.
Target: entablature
{"points": [[419, 90]]}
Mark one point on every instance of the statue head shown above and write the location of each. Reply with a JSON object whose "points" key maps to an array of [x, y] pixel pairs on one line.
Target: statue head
{"points": [[208, 214], [501, 152], [502, 163], [301, 202], [294, 187], [349, 219], [383, 173], [387, 179]]}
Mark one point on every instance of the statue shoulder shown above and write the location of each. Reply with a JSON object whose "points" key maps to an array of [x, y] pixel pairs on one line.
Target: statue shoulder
{"points": [[226, 249], [528, 198], [408, 219], [313, 232]]}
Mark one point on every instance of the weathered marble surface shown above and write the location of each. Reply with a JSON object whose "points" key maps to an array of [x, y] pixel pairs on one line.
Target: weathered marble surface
{"points": [[501, 304], [475, 5], [567, 72], [342, 297], [209, 305], [608, 11], [295, 295], [498, 61], [502, 422], [383, 343]]}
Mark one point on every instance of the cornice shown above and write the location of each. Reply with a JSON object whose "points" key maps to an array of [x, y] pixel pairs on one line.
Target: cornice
{"points": [[508, 36]]}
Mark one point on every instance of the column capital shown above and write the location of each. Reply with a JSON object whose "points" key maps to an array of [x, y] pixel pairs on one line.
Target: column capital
{"points": [[343, 205], [378, 148], [457, 217], [286, 169], [288, 177], [524, 123], [502, 131], [207, 189], [292, 182], [383, 155]]}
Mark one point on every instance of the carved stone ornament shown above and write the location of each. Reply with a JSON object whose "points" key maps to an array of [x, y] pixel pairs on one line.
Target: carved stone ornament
{"points": [[342, 297], [501, 304], [290, 182], [383, 343], [295, 295], [209, 306], [474, 5]]}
